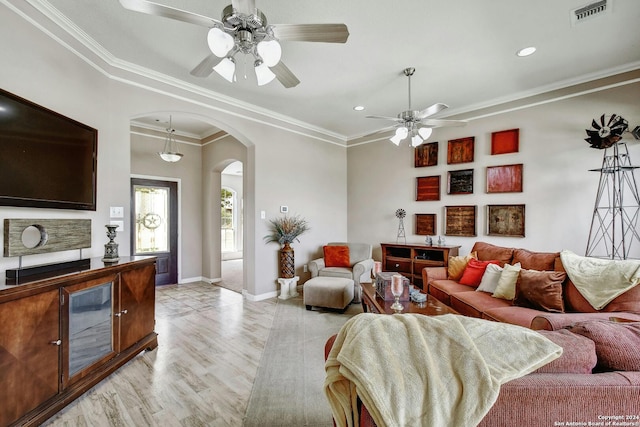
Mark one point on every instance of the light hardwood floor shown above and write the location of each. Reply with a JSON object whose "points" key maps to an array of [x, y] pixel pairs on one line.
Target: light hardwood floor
{"points": [[201, 374]]}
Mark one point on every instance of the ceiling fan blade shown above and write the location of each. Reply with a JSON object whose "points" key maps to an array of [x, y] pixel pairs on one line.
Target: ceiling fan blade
{"points": [[435, 123], [284, 75], [156, 9], [430, 111], [395, 119], [205, 67], [248, 7], [326, 33]]}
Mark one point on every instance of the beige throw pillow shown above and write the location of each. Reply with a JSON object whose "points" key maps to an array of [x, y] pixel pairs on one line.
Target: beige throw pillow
{"points": [[457, 264], [490, 279], [506, 288]]}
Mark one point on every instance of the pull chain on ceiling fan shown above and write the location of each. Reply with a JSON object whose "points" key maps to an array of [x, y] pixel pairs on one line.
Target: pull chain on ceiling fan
{"points": [[244, 29], [416, 124]]}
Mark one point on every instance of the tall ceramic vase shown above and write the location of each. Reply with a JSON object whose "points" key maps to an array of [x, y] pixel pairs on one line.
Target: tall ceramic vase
{"points": [[287, 264]]}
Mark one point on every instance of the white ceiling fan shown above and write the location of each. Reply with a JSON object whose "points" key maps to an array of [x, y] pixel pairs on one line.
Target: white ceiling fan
{"points": [[244, 29], [417, 124]]}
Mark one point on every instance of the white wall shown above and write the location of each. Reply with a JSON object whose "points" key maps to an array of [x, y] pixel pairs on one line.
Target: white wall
{"points": [[282, 167], [558, 190]]}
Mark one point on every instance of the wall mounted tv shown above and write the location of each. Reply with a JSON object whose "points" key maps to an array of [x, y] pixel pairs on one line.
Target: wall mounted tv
{"points": [[47, 160]]}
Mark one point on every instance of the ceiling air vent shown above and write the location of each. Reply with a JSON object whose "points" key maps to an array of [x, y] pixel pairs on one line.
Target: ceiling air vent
{"points": [[590, 11]]}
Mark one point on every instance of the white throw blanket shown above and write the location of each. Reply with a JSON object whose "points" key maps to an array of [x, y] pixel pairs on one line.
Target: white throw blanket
{"points": [[600, 281], [415, 370]]}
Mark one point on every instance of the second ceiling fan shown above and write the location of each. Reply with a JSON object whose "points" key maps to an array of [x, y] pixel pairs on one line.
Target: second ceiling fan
{"points": [[244, 29], [416, 124]]}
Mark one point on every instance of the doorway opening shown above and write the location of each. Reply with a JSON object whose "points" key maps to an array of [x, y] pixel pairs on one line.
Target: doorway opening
{"points": [[231, 228]]}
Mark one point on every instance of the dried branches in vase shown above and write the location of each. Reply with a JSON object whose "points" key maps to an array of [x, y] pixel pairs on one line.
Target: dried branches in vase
{"points": [[285, 230]]}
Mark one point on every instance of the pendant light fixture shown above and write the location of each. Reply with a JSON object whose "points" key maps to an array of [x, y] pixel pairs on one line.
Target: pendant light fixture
{"points": [[170, 153]]}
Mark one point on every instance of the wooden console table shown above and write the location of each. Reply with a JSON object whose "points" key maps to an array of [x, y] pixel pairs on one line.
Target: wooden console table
{"points": [[409, 260], [61, 335]]}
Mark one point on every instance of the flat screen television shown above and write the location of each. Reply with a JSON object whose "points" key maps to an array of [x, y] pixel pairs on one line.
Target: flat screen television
{"points": [[47, 160]]}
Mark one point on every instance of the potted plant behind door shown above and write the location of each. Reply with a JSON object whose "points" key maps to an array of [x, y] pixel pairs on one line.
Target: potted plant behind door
{"points": [[285, 230]]}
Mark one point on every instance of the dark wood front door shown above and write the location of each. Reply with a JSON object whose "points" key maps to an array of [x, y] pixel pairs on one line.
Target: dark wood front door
{"points": [[154, 215]]}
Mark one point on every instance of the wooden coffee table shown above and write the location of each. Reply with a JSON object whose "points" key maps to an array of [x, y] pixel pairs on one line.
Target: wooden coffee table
{"points": [[372, 303]]}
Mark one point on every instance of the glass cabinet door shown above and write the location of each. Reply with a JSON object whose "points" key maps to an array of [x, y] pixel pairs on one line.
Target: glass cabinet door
{"points": [[89, 323]]}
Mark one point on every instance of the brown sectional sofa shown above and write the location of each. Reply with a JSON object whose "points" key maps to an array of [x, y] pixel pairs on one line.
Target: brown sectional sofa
{"points": [[469, 302], [582, 387], [565, 392]]}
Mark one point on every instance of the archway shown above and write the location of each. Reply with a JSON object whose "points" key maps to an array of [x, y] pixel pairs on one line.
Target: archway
{"points": [[205, 157]]}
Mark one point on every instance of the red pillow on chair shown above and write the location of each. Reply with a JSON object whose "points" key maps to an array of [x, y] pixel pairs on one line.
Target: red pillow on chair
{"points": [[336, 256], [474, 271]]}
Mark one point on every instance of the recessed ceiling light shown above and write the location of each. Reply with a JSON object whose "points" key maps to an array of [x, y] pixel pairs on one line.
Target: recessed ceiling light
{"points": [[526, 51], [358, 108]]}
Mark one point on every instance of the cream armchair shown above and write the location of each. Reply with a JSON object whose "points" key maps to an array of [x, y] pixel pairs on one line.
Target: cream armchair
{"points": [[359, 271]]}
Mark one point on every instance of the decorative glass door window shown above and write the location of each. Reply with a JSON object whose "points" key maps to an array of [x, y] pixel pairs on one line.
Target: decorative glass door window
{"points": [[152, 219], [227, 205]]}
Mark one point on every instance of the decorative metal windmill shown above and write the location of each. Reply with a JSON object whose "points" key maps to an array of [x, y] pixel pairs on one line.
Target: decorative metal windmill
{"points": [[400, 214], [614, 225]]}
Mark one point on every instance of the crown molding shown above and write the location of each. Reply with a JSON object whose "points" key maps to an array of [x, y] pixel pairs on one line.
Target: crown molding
{"points": [[65, 24], [571, 88]]}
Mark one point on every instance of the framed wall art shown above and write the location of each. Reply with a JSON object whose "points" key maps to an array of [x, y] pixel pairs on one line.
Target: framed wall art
{"points": [[504, 179], [460, 182], [460, 220], [428, 188], [505, 141], [505, 220], [426, 154], [460, 150], [426, 224]]}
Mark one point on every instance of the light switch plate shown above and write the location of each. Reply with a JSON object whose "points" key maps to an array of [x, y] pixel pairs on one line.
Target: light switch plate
{"points": [[116, 212], [120, 225]]}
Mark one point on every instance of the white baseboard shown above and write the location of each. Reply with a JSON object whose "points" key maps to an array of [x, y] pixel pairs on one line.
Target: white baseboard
{"points": [[215, 280], [260, 297], [193, 279]]}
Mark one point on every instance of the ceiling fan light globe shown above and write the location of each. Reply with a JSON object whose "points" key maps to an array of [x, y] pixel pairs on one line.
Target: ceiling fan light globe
{"points": [[425, 133], [416, 140], [263, 74], [220, 42], [227, 69], [396, 140], [402, 132], [270, 51]]}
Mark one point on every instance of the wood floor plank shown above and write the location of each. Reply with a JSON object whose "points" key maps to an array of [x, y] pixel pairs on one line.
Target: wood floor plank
{"points": [[210, 343]]}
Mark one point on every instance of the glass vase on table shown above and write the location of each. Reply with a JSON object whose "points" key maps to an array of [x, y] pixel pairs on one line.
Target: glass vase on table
{"points": [[397, 288]]}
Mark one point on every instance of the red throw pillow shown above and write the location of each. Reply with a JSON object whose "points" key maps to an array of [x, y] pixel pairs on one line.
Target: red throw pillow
{"points": [[474, 271], [336, 256]]}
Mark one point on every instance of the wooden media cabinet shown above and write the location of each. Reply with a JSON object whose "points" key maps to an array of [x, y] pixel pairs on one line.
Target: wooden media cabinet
{"points": [[61, 335]]}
